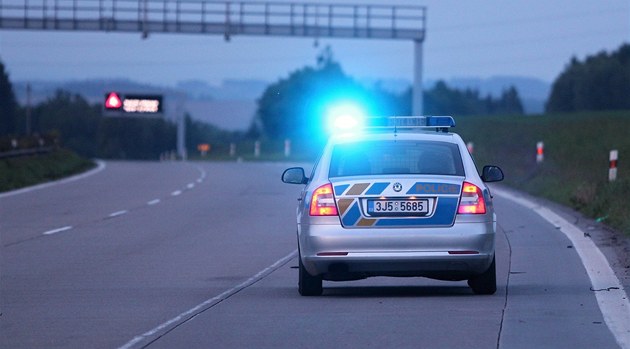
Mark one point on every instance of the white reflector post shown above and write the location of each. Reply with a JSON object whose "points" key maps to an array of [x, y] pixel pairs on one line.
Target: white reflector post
{"points": [[257, 149], [232, 150], [540, 152], [612, 167]]}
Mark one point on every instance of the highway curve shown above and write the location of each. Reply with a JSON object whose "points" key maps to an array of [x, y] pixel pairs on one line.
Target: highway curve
{"points": [[202, 255]]}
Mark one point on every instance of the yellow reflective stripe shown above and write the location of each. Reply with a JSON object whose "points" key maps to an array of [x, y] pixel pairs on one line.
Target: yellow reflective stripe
{"points": [[364, 222], [357, 189], [343, 205]]}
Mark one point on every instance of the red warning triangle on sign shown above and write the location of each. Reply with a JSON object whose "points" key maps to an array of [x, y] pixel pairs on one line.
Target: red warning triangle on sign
{"points": [[113, 101]]}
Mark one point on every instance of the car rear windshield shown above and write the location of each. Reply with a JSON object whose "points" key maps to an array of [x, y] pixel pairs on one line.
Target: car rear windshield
{"points": [[396, 157]]}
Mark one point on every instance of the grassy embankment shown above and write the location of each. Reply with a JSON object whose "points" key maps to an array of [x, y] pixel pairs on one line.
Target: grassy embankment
{"points": [[24, 171], [576, 152]]}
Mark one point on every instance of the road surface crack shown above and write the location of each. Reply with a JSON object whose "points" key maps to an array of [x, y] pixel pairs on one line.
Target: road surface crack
{"points": [[507, 285]]}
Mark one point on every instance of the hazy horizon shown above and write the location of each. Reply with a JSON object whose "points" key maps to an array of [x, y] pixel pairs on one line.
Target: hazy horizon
{"points": [[495, 38]]}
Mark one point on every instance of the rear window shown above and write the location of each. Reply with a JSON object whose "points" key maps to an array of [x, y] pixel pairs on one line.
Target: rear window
{"points": [[396, 157]]}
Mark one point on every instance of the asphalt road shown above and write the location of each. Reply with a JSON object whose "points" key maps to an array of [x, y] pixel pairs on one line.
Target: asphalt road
{"points": [[196, 255]]}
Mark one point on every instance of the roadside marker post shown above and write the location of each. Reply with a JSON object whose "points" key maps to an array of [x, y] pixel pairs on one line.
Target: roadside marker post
{"points": [[257, 149], [612, 167], [232, 150], [540, 152], [287, 148]]}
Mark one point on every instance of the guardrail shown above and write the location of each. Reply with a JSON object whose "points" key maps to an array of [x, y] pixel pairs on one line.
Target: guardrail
{"points": [[25, 152]]}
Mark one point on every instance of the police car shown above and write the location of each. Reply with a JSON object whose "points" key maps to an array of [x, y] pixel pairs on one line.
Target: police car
{"points": [[401, 197]]}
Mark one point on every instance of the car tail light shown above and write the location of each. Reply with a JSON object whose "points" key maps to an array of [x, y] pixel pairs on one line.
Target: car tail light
{"points": [[323, 201], [472, 201]]}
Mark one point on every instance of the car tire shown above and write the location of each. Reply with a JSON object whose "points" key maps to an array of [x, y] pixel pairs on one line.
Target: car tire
{"points": [[309, 285], [485, 283]]}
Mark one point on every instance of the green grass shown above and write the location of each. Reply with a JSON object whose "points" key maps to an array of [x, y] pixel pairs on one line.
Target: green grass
{"points": [[25, 171], [575, 169]]}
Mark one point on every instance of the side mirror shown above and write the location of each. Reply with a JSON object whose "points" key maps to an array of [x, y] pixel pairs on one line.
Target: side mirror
{"points": [[294, 175], [492, 174]]}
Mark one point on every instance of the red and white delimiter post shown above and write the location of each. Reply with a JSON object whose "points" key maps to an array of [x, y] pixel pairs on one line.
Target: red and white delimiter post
{"points": [[612, 167], [540, 152]]}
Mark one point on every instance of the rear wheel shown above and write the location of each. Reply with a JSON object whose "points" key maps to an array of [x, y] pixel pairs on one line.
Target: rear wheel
{"points": [[485, 283], [309, 285]]}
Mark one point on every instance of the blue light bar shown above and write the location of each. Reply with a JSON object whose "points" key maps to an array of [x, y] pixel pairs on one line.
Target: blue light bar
{"points": [[441, 123]]}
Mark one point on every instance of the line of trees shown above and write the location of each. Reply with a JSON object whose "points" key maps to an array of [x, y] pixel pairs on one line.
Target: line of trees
{"points": [[444, 100], [599, 82], [8, 103], [75, 124], [291, 108], [294, 107]]}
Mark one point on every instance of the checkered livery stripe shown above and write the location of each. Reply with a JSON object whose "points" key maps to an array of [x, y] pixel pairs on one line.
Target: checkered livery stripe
{"points": [[349, 198]]}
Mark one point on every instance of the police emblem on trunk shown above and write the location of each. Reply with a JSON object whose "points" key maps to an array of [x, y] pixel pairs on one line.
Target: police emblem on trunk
{"points": [[397, 187]]}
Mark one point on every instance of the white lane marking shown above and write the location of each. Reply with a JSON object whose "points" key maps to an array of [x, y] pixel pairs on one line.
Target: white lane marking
{"points": [[613, 301], [118, 213], [190, 185], [153, 202], [100, 166], [59, 230], [188, 314], [203, 174], [176, 193]]}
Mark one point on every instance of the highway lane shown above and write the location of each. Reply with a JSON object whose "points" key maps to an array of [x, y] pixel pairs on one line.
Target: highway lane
{"points": [[110, 280], [543, 301], [122, 187]]}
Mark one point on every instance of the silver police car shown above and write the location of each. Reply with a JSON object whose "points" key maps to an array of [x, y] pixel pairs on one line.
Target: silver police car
{"points": [[402, 198]]}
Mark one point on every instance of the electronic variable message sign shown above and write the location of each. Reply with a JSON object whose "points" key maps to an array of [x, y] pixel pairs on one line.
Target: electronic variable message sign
{"points": [[132, 105]]}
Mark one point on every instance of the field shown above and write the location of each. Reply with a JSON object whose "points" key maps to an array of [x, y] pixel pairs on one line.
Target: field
{"points": [[576, 158]]}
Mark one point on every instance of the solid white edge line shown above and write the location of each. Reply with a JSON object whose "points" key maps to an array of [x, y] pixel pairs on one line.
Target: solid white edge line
{"points": [[100, 166], [59, 230], [211, 302], [612, 299], [153, 202]]}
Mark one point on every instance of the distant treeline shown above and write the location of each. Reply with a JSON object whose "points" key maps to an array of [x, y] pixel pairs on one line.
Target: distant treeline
{"points": [[291, 108], [600, 82], [295, 107]]}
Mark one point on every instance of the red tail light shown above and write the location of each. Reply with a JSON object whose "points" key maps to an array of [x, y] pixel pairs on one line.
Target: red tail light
{"points": [[323, 202], [472, 201]]}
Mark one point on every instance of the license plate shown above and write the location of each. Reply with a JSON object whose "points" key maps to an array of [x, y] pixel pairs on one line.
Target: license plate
{"points": [[398, 207]]}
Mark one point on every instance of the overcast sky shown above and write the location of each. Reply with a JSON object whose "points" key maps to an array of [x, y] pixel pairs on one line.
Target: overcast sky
{"points": [[529, 38]]}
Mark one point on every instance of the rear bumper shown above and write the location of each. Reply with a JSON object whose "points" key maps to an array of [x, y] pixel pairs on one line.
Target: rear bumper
{"points": [[453, 253]]}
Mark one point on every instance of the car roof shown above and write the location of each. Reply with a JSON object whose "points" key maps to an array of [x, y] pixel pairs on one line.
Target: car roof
{"points": [[390, 136]]}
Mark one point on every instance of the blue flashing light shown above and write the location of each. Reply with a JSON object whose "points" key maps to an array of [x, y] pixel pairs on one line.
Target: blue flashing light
{"points": [[345, 117]]}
